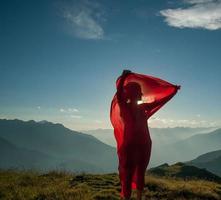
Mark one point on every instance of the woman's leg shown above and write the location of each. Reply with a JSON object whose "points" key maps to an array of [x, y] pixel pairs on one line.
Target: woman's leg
{"points": [[143, 162], [126, 168], [139, 194], [126, 184], [124, 198]]}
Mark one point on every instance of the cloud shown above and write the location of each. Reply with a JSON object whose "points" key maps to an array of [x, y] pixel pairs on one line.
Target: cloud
{"points": [[62, 110], [164, 122], [69, 110], [84, 19], [205, 14], [39, 107], [198, 1], [73, 110], [76, 116], [98, 121]]}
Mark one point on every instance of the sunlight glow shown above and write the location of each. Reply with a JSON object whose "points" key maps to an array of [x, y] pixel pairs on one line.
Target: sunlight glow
{"points": [[148, 99], [139, 102]]}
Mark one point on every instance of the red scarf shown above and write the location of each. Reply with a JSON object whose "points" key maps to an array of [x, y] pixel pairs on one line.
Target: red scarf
{"points": [[155, 92]]}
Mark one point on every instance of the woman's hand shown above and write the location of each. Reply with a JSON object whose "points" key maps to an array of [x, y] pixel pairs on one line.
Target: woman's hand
{"points": [[178, 87], [125, 72]]}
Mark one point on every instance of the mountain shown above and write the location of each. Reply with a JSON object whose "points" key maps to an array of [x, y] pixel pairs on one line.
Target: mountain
{"points": [[181, 170], [187, 149], [210, 161], [159, 135], [172, 144], [165, 136], [76, 151], [13, 157], [20, 158], [69, 148], [104, 135], [43, 122]]}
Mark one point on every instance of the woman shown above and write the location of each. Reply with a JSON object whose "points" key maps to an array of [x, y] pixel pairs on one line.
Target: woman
{"points": [[137, 98]]}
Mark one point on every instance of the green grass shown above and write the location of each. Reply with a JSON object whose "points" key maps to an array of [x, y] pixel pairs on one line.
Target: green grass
{"points": [[23, 185]]}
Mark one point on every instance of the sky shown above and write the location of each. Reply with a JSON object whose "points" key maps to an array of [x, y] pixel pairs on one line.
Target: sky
{"points": [[59, 60]]}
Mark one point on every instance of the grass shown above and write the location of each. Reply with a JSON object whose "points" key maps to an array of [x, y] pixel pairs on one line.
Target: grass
{"points": [[55, 185]]}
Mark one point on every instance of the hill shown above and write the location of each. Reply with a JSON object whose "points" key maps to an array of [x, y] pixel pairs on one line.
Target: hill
{"points": [[181, 170], [210, 161], [67, 186], [65, 147]]}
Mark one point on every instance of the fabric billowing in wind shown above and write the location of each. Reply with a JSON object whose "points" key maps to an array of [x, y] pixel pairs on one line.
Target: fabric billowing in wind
{"points": [[131, 130]]}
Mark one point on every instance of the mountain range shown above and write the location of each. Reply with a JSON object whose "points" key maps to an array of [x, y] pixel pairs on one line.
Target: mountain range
{"points": [[187, 149], [48, 146], [172, 145], [159, 135]]}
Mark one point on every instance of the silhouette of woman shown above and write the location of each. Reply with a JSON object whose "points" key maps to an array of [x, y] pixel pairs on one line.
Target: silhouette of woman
{"points": [[129, 119]]}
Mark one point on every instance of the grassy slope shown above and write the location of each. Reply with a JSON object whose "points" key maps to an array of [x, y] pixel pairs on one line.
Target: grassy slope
{"points": [[59, 185]]}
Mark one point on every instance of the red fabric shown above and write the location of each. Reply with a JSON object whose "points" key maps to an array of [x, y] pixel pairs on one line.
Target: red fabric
{"points": [[131, 130]]}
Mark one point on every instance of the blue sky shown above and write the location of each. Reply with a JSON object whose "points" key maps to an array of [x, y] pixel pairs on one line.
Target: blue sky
{"points": [[59, 59]]}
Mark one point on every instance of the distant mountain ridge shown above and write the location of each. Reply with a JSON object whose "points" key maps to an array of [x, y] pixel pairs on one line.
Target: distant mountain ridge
{"points": [[159, 135], [172, 145], [210, 161], [66, 148], [52, 146], [187, 149]]}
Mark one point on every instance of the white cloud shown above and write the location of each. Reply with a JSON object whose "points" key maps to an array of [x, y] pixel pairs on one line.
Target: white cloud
{"points": [[39, 107], [69, 110], [73, 110], [164, 122], [84, 19], [98, 121], [205, 14], [62, 110], [198, 1], [76, 116]]}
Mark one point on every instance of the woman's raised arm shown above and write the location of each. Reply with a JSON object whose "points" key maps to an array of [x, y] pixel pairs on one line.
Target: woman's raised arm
{"points": [[120, 97], [152, 105]]}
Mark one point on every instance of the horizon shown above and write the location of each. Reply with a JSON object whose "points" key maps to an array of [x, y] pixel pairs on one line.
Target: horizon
{"points": [[60, 59], [46, 121]]}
